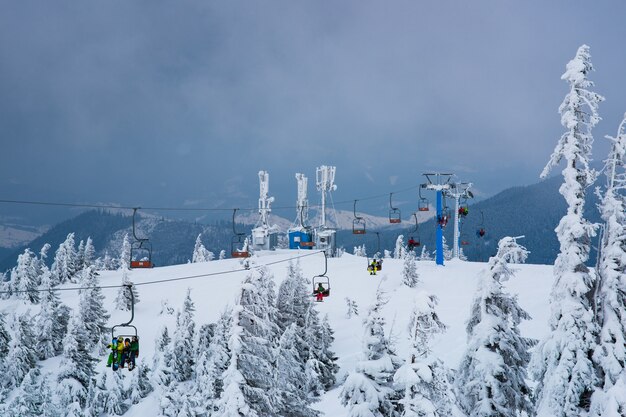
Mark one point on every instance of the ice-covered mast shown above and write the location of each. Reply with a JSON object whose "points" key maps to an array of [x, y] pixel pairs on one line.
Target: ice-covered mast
{"points": [[325, 237], [303, 202], [264, 237]]}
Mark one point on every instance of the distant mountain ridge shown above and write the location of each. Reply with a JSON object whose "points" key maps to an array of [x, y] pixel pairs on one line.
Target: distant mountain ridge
{"points": [[533, 211]]}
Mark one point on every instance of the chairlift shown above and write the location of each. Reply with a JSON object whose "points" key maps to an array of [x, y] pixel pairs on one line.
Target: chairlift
{"points": [[413, 243], [422, 204], [481, 228], [322, 279], [463, 209], [124, 330], [358, 224], [394, 213], [140, 249], [307, 230], [238, 240], [442, 219], [377, 255]]}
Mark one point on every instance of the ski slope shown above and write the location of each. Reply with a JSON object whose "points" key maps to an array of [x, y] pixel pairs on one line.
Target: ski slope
{"points": [[216, 283]]}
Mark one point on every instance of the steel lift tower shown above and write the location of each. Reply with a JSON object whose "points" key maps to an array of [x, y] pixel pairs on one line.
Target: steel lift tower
{"points": [[300, 235], [441, 184]]}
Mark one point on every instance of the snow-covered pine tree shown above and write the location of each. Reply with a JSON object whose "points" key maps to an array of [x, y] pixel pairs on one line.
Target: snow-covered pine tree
{"points": [[140, 385], [124, 299], [222, 255], [51, 322], [610, 353], [359, 251], [25, 278], [368, 389], [109, 395], [91, 306], [320, 366], [423, 379], [89, 254], [400, 250], [77, 367], [353, 308], [123, 262], [249, 387], [29, 400], [64, 265], [21, 356], [205, 334], [294, 399], [492, 375], [410, 277], [162, 375], [562, 362], [182, 341], [211, 364], [50, 407], [80, 256], [200, 253], [425, 256], [5, 339]]}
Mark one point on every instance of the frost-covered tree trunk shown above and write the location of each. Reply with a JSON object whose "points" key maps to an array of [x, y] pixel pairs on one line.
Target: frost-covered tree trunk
{"points": [[368, 389], [492, 375], [562, 361], [249, 387], [610, 354], [410, 277]]}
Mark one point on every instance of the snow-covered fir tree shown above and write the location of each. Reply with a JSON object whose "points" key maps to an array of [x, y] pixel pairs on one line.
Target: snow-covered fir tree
{"points": [[400, 248], [425, 256], [200, 253], [422, 378], [294, 399], [162, 361], [22, 356], [29, 400], [140, 385], [127, 295], [123, 262], [5, 340], [182, 341], [25, 278], [610, 353], [64, 265], [249, 381], [222, 255], [91, 306], [51, 322], [109, 395], [77, 368], [410, 277], [50, 407], [89, 254], [80, 256], [359, 251], [353, 308], [211, 364], [492, 375], [205, 334], [320, 366], [562, 362], [368, 389]]}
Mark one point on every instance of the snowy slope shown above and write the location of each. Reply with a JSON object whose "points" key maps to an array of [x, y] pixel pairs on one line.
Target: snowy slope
{"points": [[453, 284]]}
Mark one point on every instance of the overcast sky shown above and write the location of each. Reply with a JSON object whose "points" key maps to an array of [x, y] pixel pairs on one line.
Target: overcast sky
{"points": [[173, 103]]}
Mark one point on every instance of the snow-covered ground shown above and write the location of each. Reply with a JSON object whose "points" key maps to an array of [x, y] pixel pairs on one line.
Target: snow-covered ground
{"points": [[454, 284]]}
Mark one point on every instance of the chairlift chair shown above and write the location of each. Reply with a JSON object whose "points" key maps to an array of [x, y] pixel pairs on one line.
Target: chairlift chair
{"points": [[379, 263], [358, 224], [481, 228], [413, 243], [443, 218], [322, 279], [394, 213], [140, 249], [126, 330], [422, 204], [237, 240]]}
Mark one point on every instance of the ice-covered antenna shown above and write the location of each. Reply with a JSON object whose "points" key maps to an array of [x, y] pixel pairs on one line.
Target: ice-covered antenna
{"points": [[325, 179], [303, 203], [265, 202]]}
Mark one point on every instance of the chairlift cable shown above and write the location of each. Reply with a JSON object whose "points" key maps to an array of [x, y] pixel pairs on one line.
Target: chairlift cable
{"points": [[159, 281]]}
